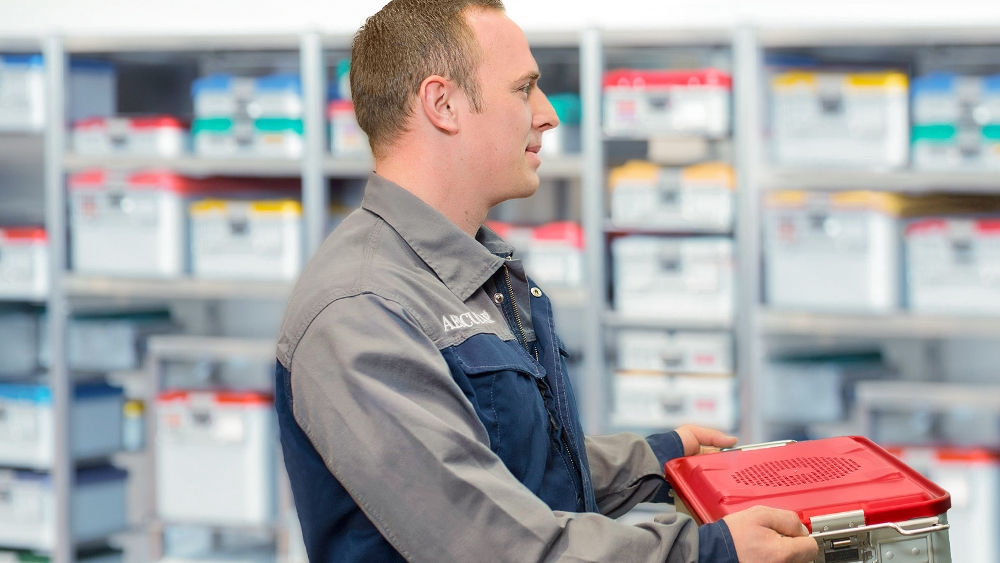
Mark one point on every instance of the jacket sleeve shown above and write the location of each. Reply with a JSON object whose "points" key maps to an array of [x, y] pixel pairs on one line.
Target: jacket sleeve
{"points": [[379, 404], [627, 469]]}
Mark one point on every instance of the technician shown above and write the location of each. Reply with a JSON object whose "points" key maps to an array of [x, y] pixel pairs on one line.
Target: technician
{"points": [[423, 399]]}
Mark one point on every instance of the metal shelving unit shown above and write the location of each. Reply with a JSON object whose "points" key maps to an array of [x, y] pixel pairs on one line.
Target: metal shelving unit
{"points": [[754, 327], [600, 318], [775, 325]]}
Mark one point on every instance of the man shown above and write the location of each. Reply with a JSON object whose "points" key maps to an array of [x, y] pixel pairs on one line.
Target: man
{"points": [[422, 394]]}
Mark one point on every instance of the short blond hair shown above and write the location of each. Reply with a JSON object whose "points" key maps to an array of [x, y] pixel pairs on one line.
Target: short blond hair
{"points": [[400, 46]]}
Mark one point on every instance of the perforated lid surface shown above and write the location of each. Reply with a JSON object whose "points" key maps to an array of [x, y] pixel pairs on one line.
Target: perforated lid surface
{"points": [[812, 478]]}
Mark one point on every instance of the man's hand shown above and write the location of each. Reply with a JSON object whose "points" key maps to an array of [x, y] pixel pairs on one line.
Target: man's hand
{"points": [[770, 535], [697, 439]]}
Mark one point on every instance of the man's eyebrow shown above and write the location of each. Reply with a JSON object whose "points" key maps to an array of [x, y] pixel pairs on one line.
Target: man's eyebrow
{"points": [[530, 76]]}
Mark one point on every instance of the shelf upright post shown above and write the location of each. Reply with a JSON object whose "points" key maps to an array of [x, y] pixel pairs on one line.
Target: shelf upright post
{"points": [[315, 199], [57, 306], [747, 135], [594, 381]]}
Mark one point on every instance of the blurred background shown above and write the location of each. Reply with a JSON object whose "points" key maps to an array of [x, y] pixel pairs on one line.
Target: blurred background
{"points": [[780, 219]]}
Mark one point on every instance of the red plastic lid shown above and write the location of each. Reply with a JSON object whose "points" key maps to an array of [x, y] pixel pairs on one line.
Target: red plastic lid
{"points": [[629, 78], [23, 234], [156, 122], [339, 105], [143, 122], [223, 397], [988, 226], [560, 231], [812, 478], [927, 227]]}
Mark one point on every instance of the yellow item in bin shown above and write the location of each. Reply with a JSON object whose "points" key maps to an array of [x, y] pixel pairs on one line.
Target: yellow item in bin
{"points": [[890, 203], [250, 240], [703, 174], [284, 206], [693, 198], [890, 80]]}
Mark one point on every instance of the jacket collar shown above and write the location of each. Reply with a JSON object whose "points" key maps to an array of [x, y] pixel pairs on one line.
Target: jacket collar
{"points": [[463, 263]]}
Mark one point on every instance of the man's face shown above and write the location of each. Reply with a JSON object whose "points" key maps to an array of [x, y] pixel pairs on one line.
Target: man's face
{"points": [[507, 134]]}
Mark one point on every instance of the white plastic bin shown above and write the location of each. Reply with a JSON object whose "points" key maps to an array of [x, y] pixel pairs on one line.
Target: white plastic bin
{"points": [[91, 91], [698, 197], [20, 341], [651, 400], [259, 239], [667, 102], [27, 429], [840, 119], [670, 351], [215, 457], [953, 265], [677, 279], [24, 263], [28, 507], [163, 136]]}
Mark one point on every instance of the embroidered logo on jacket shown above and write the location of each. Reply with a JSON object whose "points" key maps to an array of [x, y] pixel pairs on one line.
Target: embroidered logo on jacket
{"points": [[466, 320]]}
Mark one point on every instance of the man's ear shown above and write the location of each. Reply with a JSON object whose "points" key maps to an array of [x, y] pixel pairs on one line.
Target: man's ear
{"points": [[437, 101]]}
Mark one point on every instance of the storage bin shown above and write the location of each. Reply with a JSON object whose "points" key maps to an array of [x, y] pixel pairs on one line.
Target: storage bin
{"points": [[162, 136], [346, 137], [222, 95], [837, 252], [278, 137], [815, 389], [564, 139], [226, 95], [651, 400], [972, 478], [693, 198], [22, 91], [260, 239], [552, 252], [135, 224], [667, 102], [953, 265], [28, 507], [215, 457], [676, 279], [828, 118], [857, 500], [672, 351], [223, 137], [27, 429], [20, 341], [24, 263], [108, 341]]}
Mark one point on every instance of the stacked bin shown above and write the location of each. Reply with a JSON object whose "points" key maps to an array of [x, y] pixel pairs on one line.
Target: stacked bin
{"points": [[247, 116], [956, 121]]}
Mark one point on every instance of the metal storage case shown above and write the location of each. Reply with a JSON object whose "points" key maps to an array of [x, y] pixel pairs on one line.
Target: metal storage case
{"points": [[861, 503]]}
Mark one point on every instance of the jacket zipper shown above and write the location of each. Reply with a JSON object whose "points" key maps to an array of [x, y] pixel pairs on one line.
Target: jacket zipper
{"points": [[541, 384]]}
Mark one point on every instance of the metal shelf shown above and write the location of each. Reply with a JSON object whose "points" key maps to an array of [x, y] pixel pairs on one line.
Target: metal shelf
{"points": [[181, 347], [890, 325], [174, 288], [190, 165], [878, 395], [779, 178], [873, 35], [615, 228], [181, 42], [617, 320]]}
